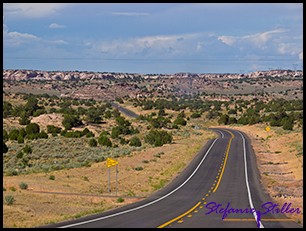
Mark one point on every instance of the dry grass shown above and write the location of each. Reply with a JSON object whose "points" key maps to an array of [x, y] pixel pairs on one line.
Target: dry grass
{"points": [[160, 165], [280, 163]]}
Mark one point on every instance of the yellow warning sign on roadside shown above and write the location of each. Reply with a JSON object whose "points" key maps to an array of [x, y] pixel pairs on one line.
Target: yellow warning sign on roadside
{"points": [[268, 128], [111, 162]]}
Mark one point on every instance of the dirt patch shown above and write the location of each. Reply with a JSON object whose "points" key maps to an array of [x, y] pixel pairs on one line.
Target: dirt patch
{"points": [[48, 119]]}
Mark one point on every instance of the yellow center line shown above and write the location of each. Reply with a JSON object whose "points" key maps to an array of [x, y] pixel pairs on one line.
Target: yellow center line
{"points": [[180, 216], [226, 156]]}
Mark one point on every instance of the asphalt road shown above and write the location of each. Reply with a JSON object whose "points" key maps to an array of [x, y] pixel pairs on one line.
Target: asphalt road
{"points": [[125, 110], [224, 172]]}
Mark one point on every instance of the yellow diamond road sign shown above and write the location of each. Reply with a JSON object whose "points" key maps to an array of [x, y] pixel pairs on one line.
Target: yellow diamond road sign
{"points": [[111, 162]]}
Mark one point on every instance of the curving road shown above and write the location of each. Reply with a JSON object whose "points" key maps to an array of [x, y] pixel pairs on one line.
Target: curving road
{"points": [[223, 172]]}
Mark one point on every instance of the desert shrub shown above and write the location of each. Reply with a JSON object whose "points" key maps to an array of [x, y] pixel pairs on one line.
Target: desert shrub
{"points": [[19, 154], [32, 128], [53, 129], [13, 135], [196, 115], [27, 149], [23, 185], [93, 143], [9, 199], [43, 135], [120, 200], [70, 121], [104, 141], [51, 177], [158, 137], [135, 141], [139, 168], [20, 139], [180, 121]]}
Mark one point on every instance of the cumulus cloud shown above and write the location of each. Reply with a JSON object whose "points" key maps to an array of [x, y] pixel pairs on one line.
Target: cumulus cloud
{"points": [[16, 38], [56, 26], [228, 40], [260, 39]]}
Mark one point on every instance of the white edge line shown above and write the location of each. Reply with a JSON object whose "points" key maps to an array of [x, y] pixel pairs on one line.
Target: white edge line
{"points": [[145, 205], [247, 182]]}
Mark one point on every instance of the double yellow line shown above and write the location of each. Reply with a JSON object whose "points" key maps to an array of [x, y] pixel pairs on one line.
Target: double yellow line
{"points": [[225, 160], [215, 189]]}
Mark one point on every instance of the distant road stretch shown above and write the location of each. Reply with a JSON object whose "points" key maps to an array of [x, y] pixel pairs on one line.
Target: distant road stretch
{"points": [[125, 111], [223, 172]]}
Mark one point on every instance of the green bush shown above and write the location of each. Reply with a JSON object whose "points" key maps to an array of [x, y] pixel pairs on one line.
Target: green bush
{"points": [[23, 185], [20, 139], [51, 177], [120, 200], [139, 168], [14, 133], [27, 149], [32, 128], [53, 129], [19, 154], [158, 137], [9, 199], [43, 135], [180, 121], [93, 143], [135, 141], [104, 141], [70, 121]]}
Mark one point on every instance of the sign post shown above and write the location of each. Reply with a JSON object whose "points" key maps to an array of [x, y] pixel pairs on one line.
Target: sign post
{"points": [[110, 163], [108, 180], [116, 179]]}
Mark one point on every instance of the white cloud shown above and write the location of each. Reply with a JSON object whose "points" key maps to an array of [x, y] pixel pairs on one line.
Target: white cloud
{"points": [[301, 56], [129, 14], [158, 44], [16, 38], [58, 42], [261, 39], [33, 10], [228, 40], [289, 48], [56, 26], [258, 40]]}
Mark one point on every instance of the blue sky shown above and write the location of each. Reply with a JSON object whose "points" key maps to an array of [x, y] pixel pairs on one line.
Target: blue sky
{"points": [[153, 37]]}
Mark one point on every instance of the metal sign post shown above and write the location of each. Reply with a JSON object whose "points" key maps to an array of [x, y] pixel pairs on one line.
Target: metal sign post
{"points": [[110, 163], [116, 179], [108, 180]]}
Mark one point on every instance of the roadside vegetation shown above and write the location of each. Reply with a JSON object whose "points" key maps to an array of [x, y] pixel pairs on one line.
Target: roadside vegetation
{"points": [[68, 152]]}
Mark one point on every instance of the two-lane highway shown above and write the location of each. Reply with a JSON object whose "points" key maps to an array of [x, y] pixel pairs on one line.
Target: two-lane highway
{"points": [[224, 174]]}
